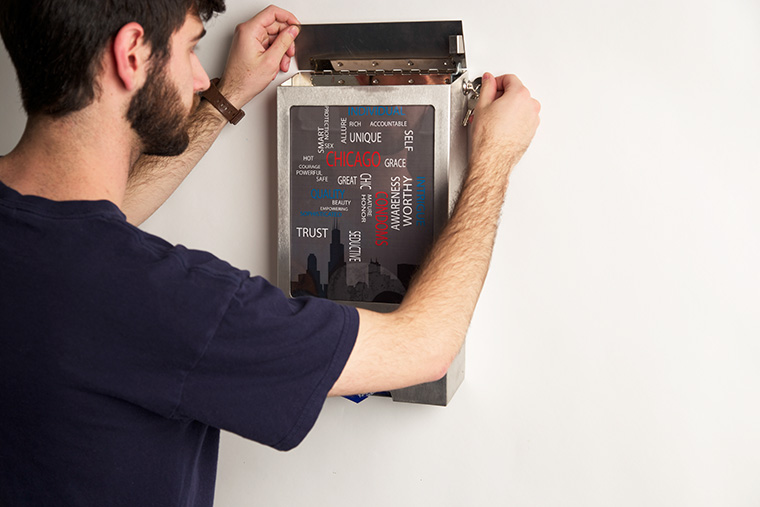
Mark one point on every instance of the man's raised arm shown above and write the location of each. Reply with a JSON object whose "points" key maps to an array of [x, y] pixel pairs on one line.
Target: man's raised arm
{"points": [[417, 342], [261, 47]]}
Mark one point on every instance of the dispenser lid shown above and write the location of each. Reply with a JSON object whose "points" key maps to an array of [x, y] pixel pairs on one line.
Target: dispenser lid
{"points": [[435, 47]]}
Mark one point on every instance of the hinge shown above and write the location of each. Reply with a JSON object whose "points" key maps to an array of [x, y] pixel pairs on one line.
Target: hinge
{"points": [[381, 67]]}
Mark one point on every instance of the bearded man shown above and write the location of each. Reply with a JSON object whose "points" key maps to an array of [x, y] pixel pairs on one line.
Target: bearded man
{"points": [[121, 355]]}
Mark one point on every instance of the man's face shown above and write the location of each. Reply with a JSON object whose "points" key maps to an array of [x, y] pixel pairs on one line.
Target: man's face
{"points": [[158, 116], [160, 111]]}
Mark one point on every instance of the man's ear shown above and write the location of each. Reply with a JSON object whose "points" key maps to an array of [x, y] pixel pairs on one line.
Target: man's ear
{"points": [[131, 55]]}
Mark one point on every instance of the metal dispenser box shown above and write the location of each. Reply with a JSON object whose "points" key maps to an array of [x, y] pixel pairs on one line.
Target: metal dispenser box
{"points": [[371, 155]]}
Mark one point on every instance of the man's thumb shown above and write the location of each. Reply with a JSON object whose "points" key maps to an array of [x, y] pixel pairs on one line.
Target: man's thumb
{"points": [[488, 89], [284, 40]]}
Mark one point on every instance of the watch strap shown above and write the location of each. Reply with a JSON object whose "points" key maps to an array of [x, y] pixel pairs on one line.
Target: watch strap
{"points": [[215, 97]]}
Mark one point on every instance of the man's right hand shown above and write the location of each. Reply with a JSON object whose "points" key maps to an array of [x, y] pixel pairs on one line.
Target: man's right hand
{"points": [[505, 120]]}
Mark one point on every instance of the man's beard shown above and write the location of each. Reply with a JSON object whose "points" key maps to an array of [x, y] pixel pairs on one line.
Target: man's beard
{"points": [[158, 116]]}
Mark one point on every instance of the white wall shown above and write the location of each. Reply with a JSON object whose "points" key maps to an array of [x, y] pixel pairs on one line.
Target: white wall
{"points": [[614, 357]]}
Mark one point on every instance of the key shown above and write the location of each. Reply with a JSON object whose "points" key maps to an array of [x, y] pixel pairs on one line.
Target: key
{"points": [[472, 90], [473, 86], [470, 111]]}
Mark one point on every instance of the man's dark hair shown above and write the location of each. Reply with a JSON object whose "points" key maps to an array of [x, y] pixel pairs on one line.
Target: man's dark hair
{"points": [[56, 46]]}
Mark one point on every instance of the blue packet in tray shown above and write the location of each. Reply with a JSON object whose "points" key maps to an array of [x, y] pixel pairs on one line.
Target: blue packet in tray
{"points": [[358, 398]]}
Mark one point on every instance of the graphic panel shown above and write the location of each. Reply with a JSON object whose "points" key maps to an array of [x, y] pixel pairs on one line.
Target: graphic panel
{"points": [[362, 199]]}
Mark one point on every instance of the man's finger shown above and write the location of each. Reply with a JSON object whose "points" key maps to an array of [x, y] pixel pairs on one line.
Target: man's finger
{"points": [[282, 44], [273, 15], [508, 81], [488, 90], [285, 63]]}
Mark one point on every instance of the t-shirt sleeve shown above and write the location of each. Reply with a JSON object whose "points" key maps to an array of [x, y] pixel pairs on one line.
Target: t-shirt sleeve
{"points": [[269, 365]]}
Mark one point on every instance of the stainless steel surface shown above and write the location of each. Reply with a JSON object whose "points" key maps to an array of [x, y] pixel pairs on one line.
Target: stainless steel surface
{"points": [[456, 44]]}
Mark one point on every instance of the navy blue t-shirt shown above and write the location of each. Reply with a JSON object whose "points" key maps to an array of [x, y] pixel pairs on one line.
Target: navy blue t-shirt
{"points": [[121, 355]]}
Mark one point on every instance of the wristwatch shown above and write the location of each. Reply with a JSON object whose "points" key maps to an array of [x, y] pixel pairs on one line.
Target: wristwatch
{"points": [[213, 95]]}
